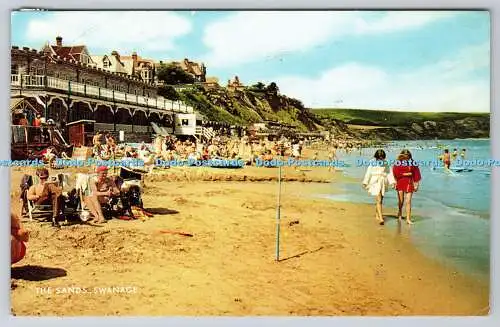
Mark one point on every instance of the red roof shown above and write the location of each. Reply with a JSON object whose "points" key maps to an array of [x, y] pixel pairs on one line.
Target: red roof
{"points": [[69, 52]]}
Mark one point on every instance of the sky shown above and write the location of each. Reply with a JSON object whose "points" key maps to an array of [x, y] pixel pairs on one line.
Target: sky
{"points": [[432, 61]]}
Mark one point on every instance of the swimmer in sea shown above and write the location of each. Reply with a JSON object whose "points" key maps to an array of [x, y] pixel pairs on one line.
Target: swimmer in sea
{"points": [[462, 154], [446, 159]]}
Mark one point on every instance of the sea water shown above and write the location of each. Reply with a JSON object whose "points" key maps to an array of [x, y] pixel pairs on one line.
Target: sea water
{"points": [[451, 211]]}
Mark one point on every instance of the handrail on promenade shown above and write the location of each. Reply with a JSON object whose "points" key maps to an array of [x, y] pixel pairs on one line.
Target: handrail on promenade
{"points": [[42, 81]]}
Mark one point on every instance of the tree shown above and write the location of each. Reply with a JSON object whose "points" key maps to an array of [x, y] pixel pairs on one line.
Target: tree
{"points": [[272, 88], [168, 92], [171, 74], [259, 86]]}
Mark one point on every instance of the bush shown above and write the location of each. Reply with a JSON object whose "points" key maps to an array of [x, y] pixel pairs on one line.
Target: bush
{"points": [[172, 74], [168, 92]]}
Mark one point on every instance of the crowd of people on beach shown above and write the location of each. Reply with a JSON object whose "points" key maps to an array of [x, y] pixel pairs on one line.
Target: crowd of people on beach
{"points": [[170, 148], [102, 189]]}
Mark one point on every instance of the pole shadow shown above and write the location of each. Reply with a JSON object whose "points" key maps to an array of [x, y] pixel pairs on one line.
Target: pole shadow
{"points": [[298, 255]]}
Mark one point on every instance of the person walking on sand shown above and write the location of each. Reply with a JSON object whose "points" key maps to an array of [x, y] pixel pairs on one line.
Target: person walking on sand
{"points": [[377, 177], [407, 176], [332, 155]]}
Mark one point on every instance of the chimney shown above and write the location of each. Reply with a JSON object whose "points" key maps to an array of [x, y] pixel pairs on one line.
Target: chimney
{"points": [[116, 54], [59, 41]]}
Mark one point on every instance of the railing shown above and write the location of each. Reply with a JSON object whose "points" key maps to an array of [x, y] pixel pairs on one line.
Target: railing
{"points": [[27, 80], [95, 91], [15, 80], [208, 133]]}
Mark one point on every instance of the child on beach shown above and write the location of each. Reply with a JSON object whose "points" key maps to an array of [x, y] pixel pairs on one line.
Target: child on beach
{"points": [[407, 181], [378, 175]]}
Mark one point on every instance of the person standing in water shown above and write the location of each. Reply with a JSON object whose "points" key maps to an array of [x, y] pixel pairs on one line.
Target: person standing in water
{"points": [[407, 182], [377, 177], [462, 154], [454, 155], [446, 159]]}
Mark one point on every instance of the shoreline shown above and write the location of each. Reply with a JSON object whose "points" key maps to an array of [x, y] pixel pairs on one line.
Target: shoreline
{"points": [[332, 266]]}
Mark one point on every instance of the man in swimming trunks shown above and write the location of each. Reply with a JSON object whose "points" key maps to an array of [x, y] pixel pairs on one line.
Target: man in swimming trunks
{"points": [[454, 154], [103, 189], [46, 193], [446, 159]]}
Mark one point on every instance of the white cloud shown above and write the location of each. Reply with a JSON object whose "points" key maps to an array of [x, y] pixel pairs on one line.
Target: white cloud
{"points": [[251, 36], [448, 85], [121, 31]]}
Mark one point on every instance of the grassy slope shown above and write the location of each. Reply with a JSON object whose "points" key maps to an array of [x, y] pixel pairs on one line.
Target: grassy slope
{"points": [[389, 118], [247, 107]]}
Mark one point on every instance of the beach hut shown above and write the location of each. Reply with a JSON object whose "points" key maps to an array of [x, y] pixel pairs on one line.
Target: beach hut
{"points": [[81, 132]]}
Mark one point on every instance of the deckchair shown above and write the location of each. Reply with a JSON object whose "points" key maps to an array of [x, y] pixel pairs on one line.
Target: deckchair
{"points": [[42, 210], [39, 210]]}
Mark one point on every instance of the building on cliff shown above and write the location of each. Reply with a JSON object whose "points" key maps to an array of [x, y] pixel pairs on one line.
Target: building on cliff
{"points": [[195, 69], [211, 83], [235, 84]]}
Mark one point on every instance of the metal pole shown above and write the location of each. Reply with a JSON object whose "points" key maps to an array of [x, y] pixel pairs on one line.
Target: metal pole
{"points": [[278, 216]]}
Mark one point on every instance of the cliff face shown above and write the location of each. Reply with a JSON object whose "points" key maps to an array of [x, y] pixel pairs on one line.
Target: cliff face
{"points": [[250, 106], [258, 104], [471, 127]]}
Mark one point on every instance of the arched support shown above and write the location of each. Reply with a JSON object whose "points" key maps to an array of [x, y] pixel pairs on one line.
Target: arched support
{"points": [[52, 98]]}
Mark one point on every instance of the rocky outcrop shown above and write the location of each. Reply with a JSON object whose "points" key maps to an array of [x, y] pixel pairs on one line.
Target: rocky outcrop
{"points": [[252, 104], [248, 106], [472, 127]]}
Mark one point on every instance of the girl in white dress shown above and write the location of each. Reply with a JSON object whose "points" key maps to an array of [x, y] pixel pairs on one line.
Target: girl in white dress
{"points": [[377, 178]]}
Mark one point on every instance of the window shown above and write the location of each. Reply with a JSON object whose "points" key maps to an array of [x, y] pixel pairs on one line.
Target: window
{"points": [[14, 69], [185, 122], [105, 64]]}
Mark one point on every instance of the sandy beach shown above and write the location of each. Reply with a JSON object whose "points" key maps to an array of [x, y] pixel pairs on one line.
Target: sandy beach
{"points": [[335, 259]]}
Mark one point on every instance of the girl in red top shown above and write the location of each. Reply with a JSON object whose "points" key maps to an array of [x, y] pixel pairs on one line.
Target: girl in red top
{"points": [[18, 236], [407, 181]]}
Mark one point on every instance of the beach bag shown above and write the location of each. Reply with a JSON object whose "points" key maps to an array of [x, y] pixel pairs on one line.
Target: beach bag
{"points": [[140, 213]]}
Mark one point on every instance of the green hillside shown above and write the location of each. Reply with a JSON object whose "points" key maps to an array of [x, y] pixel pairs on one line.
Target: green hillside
{"points": [[389, 118], [250, 105]]}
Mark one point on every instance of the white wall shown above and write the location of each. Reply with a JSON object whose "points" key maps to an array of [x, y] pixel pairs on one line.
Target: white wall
{"points": [[185, 130]]}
